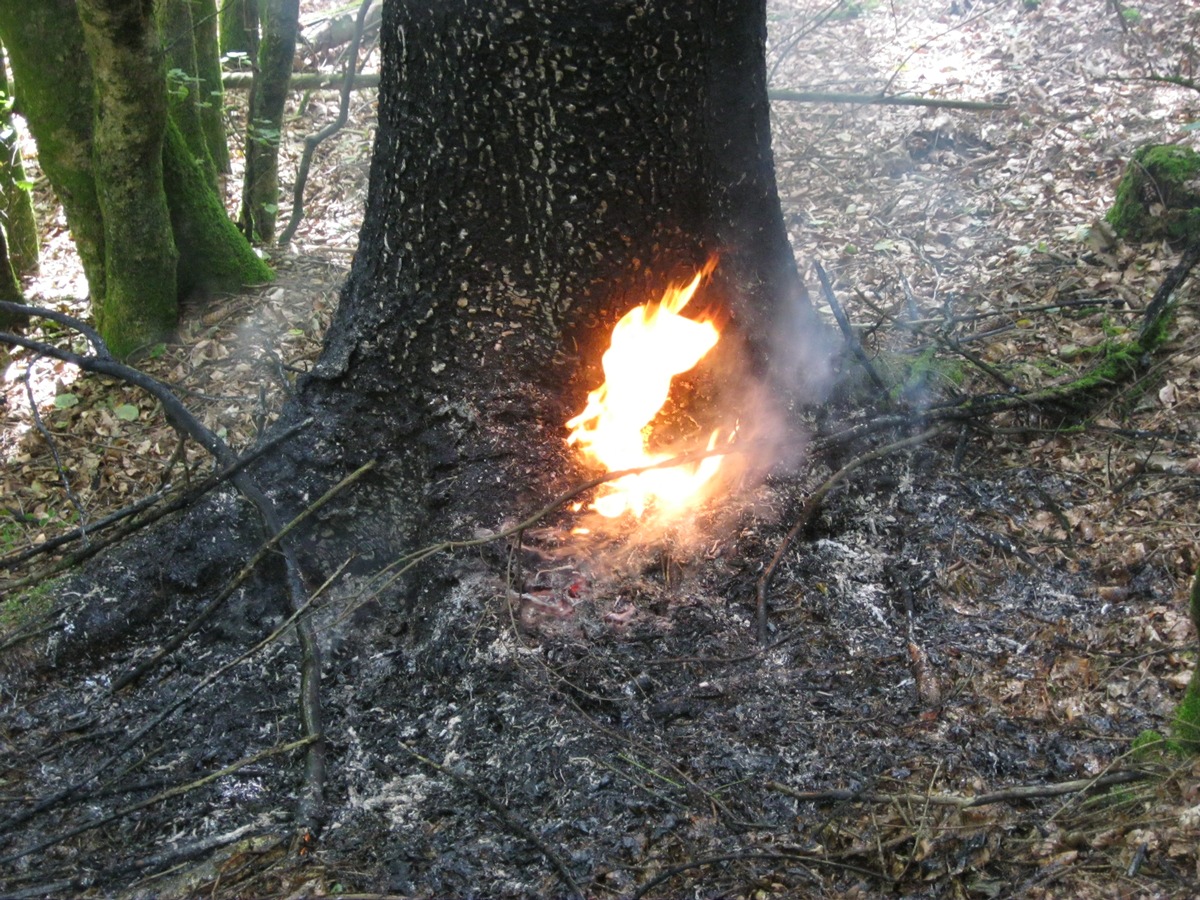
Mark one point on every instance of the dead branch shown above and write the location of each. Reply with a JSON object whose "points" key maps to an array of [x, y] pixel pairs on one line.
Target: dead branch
{"points": [[177, 639], [962, 801], [791, 96], [503, 813], [1160, 304], [810, 507], [136, 739], [183, 420], [184, 500], [748, 855], [101, 821], [312, 141], [307, 81], [843, 322]]}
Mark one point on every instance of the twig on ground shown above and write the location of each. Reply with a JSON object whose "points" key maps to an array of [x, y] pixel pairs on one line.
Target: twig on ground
{"points": [[136, 739], [962, 801], [72, 497], [843, 322], [177, 639], [157, 798], [747, 855], [132, 509], [503, 813]]}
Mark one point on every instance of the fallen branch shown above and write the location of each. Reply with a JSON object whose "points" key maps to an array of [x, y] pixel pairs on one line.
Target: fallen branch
{"points": [[747, 855], [881, 100], [305, 81], [962, 801], [157, 798]]}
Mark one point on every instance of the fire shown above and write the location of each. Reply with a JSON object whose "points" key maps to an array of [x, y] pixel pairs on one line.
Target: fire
{"points": [[650, 346]]}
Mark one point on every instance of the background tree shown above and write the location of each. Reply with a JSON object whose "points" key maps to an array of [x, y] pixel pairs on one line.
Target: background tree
{"points": [[96, 105], [264, 124], [20, 224]]}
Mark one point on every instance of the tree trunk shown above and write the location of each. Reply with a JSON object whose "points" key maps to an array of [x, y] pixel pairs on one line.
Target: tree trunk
{"points": [[538, 170], [268, 95], [20, 224], [185, 90], [239, 28], [139, 304], [54, 94], [110, 176], [212, 92]]}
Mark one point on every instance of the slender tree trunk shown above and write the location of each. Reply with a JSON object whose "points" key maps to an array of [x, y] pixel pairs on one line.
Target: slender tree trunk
{"points": [[185, 90], [20, 224], [209, 87], [139, 304], [213, 254], [54, 93], [268, 96]]}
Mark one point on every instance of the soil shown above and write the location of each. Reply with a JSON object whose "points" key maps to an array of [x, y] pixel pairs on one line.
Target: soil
{"points": [[1001, 605]]}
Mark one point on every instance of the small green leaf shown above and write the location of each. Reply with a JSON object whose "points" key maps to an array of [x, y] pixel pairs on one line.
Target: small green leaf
{"points": [[126, 412], [65, 401], [157, 350]]}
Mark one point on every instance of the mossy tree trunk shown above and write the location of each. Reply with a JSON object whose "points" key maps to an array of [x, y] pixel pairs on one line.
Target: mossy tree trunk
{"points": [[268, 96], [184, 87], [140, 300], [209, 88], [98, 110], [239, 28], [53, 88], [20, 224]]}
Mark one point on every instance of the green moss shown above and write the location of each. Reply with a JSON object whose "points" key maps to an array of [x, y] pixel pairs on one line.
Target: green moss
{"points": [[25, 609], [1148, 745], [1186, 725], [213, 254], [1158, 175]]}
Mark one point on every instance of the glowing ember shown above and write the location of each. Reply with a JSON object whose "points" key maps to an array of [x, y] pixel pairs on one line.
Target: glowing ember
{"points": [[650, 346]]}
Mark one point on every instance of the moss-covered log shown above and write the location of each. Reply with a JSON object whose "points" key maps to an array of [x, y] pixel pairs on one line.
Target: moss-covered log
{"points": [[277, 49], [139, 303], [54, 93], [213, 254]]}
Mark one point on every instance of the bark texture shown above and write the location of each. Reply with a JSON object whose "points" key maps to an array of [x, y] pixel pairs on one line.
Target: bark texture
{"points": [[54, 93], [20, 225], [184, 87], [139, 304], [268, 95], [213, 254], [210, 90]]}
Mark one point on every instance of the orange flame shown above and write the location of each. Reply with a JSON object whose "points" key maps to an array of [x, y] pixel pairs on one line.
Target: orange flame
{"points": [[650, 346]]}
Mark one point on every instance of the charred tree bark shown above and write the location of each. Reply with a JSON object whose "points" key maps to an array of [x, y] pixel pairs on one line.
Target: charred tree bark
{"points": [[539, 169]]}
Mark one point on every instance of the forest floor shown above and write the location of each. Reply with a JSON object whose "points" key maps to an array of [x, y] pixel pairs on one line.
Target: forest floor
{"points": [[1000, 608]]}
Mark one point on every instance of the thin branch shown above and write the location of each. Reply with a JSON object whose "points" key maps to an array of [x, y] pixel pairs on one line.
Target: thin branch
{"points": [[313, 140], [963, 801], [843, 322], [177, 639], [82, 327], [882, 100], [157, 798]]}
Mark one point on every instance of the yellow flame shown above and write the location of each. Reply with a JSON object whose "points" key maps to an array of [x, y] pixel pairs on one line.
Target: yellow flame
{"points": [[650, 346]]}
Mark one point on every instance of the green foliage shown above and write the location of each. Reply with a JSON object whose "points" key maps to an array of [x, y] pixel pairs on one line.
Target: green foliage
{"points": [[1147, 745]]}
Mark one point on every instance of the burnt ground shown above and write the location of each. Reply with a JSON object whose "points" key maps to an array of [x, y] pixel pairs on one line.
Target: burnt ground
{"points": [[999, 606]]}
